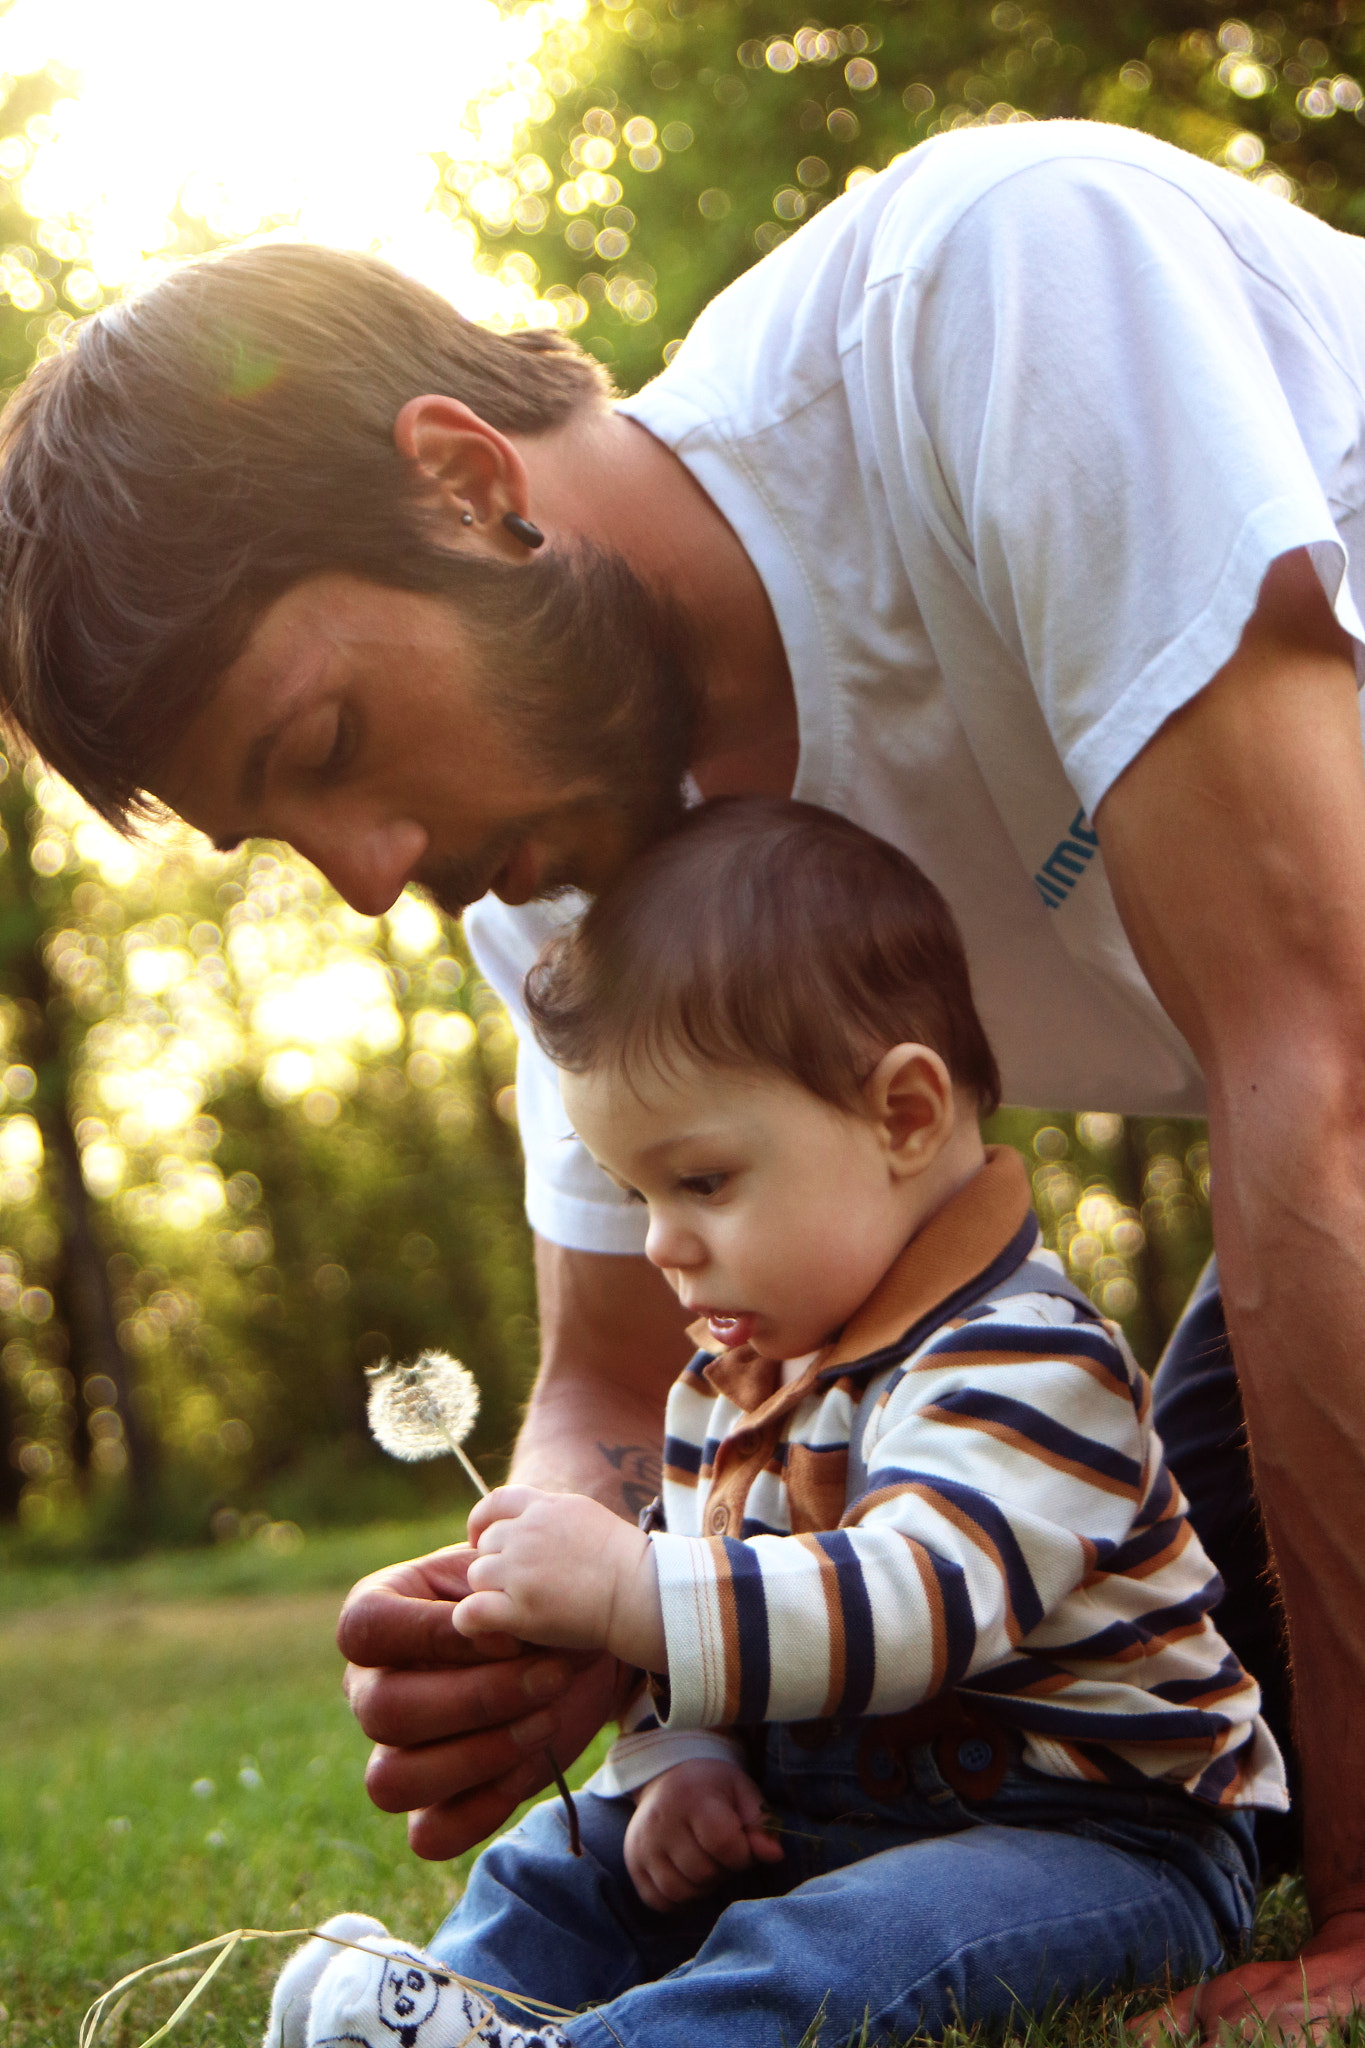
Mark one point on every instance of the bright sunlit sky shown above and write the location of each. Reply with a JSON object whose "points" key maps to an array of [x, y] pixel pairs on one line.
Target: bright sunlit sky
{"points": [[317, 116]]}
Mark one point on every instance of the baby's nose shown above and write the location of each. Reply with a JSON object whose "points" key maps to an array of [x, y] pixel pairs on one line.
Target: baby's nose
{"points": [[670, 1247]]}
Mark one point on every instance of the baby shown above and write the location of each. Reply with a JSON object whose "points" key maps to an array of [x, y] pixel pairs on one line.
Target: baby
{"points": [[932, 1723]]}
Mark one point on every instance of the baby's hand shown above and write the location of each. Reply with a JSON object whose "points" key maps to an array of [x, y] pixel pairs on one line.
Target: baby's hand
{"points": [[690, 1826], [559, 1569]]}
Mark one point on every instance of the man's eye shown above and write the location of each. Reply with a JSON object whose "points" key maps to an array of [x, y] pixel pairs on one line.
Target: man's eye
{"points": [[341, 749], [702, 1183], [325, 743]]}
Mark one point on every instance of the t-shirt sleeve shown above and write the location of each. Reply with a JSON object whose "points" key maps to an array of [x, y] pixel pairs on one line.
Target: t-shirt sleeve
{"points": [[1095, 395], [569, 1199]]}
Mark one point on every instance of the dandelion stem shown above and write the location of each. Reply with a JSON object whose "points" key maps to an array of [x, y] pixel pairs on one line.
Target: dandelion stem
{"points": [[412, 1409], [470, 1467], [561, 1782]]}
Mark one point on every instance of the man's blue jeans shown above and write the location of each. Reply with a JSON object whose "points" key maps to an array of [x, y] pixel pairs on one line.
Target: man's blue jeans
{"points": [[912, 1911]]}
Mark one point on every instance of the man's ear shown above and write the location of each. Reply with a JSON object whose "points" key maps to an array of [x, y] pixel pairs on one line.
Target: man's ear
{"points": [[473, 472], [909, 1094]]}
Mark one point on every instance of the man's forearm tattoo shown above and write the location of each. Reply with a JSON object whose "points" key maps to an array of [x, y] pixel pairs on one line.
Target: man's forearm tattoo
{"points": [[641, 1472]]}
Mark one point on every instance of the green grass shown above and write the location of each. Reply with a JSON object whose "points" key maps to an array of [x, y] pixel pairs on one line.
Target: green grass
{"points": [[125, 1694], [133, 1698], [327, 1563]]}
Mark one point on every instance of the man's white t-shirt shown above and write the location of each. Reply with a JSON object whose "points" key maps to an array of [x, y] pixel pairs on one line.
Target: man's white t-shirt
{"points": [[1011, 434]]}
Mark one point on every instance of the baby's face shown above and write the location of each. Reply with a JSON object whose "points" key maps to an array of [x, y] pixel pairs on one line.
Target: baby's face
{"points": [[771, 1213]]}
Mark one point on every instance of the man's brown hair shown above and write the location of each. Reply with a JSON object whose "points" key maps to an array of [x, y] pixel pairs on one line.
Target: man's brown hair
{"points": [[203, 447], [764, 933]]}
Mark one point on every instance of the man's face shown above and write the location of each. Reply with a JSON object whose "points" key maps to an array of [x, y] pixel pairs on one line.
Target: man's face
{"points": [[390, 739]]}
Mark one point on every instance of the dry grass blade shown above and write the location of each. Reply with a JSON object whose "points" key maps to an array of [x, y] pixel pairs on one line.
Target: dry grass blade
{"points": [[111, 2004], [115, 2013], [100, 2012], [196, 1991]]}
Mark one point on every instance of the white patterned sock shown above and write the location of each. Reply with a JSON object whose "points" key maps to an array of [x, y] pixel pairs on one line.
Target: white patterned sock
{"points": [[402, 1998], [294, 1987]]}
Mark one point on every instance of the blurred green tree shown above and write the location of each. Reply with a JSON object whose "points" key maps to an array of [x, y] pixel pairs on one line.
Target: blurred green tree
{"points": [[249, 1142], [691, 136], [293, 1123], [45, 1047]]}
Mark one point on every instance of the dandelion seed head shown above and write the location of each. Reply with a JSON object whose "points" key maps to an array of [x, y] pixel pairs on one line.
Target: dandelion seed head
{"points": [[422, 1410]]}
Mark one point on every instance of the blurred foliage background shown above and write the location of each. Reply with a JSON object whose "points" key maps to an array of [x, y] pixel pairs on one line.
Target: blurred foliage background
{"points": [[249, 1141]]}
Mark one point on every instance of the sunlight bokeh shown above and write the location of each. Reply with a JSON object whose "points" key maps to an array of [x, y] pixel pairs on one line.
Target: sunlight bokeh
{"points": [[397, 130], [392, 129]]}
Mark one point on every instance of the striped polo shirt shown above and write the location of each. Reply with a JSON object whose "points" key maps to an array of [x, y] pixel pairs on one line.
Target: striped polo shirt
{"points": [[963, 1491]]}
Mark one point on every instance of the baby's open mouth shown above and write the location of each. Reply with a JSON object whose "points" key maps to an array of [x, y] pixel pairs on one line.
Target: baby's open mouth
{"points": [[731, 1330]]}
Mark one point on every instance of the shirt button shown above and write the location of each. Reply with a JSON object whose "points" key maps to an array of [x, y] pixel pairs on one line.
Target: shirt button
{"points": [[719, 1521], [975, 1754]]}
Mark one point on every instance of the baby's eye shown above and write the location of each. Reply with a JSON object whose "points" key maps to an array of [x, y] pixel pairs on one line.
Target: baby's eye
{"points": [[632, 1194], [702, 1183]]}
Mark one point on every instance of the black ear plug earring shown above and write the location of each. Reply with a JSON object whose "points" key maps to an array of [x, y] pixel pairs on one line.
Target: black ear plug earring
{"points": [[521, 529]]}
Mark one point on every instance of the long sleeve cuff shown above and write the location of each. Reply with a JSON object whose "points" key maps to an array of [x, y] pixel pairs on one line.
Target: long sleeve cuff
{"points": [[700, 1630], [636, 1760]]}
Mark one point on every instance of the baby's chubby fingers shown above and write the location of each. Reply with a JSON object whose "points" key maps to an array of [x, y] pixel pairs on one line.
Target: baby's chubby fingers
{"points": [[576, 1576], [523, 1582], [504, 1504], [765, 1846], [486, 1614], [721, 1834], [660, 1886], [680, 1875], [753, 1818]]}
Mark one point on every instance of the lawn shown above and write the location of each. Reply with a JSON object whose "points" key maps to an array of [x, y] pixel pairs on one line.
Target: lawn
{"points": [[177, 1762]]}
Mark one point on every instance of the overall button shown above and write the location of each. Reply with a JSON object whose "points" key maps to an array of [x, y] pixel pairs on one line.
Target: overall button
{"points": [[718, 1521], [881, 1773], [975, 1754]]}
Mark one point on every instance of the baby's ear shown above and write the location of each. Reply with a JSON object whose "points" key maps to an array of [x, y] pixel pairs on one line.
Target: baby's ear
{"points": [[910, 1095]]}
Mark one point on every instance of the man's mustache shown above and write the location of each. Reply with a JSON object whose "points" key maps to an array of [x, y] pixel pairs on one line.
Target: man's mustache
{"points": [[452, 885]]}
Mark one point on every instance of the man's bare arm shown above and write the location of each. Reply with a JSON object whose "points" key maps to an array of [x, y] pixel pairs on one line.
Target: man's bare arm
{"points": [[612, 1344], [1235, 845], [461, 1738]]}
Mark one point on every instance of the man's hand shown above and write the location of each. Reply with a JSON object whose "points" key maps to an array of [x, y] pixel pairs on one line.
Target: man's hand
{"points": [[691, 1825], [1285, 1999], [461, 1728], [556, 1568]]}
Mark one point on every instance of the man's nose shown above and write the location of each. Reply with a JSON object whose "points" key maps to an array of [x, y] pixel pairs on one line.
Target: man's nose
{"points": [[371, 865]]}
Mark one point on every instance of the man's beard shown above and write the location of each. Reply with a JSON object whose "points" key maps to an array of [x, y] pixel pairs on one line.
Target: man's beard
{"points": [[594, 680]]}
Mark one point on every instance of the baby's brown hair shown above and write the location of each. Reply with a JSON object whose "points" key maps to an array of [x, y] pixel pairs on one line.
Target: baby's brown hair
{"points": [[764, 933]]}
